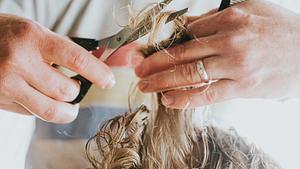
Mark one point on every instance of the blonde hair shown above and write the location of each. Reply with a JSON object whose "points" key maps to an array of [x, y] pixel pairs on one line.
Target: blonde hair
{"points": [[163, 138]]}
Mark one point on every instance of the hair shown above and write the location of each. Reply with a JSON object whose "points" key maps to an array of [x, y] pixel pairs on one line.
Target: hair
{"points": [[164, 138]]}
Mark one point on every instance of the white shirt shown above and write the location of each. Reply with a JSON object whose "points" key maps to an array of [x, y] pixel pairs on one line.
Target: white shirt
{"points": [[270, 124]]}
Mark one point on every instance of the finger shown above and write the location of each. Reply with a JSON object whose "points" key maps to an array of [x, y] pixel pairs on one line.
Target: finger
{"points": [[126, 56], [44, 107], [218, 22], [216, 92], [52, 83], [180, 54], [15, 108], [186, 75], [66, 53], [204, 26]]}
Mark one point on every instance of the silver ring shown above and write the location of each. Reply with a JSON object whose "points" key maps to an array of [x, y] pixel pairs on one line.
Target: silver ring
{"points": [[202, 71]]}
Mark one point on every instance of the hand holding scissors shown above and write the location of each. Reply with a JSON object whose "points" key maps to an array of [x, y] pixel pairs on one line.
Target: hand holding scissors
{"points": [[127, 35]]}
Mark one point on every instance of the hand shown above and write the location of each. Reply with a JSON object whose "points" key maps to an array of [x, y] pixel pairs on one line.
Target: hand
{"points": [[250, 50], [28, 82]]}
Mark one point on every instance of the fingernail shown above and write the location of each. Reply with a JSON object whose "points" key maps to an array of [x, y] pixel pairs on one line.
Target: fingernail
{"points": [[139, 70], [74, 114], [77, 106], [136, 60], [168, 100], [111, 81], [68, 116], [143, 85]]}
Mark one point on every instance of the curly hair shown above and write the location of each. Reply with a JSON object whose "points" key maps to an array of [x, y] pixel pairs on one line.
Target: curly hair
{"points": [[167, 139], [164, 138]]}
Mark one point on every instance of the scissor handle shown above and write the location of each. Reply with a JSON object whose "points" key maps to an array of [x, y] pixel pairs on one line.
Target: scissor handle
{"points": [[224, 4], [85, 85]]}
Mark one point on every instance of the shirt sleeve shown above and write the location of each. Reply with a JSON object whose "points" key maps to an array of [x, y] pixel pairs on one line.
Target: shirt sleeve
{"points": [[46, 12]]}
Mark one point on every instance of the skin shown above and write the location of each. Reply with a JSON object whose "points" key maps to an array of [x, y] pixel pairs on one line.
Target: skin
{"points": [[30, 85], [250, 50]]}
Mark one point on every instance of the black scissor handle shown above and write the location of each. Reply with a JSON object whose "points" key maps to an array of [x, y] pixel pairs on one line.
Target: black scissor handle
{"points": [[86, 43], [85, 85], [224, 4]]}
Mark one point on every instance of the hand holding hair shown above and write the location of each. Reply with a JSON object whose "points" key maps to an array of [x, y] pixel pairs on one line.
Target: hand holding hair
{"points": [[248, 51]]}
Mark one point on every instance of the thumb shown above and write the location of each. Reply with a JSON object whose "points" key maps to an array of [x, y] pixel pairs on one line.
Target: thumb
{"points": [[126, 56]]}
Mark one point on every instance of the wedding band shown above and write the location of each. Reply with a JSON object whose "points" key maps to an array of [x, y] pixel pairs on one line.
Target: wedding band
{"points": [[202, 72]]}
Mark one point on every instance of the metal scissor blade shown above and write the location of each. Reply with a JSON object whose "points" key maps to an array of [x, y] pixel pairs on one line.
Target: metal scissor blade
{"points": [[127, 35], [144, 30], [105, 48], [153, 11], [175, 15], [116, 40], [113, 43], [107, 53]]}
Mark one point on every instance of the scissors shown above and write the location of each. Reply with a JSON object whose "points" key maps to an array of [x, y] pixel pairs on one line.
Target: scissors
{"points": [[127, 35]]}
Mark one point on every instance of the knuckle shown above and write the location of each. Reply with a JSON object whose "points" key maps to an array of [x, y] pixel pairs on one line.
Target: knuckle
{"points": [[210, 96], [180, 52], [231, 40], [232, 14], [79, 61], [13, 65], [8, 85], [7, 51], [242, 62], [249, 20], [160, 82], [5, 82], [24, 28]]}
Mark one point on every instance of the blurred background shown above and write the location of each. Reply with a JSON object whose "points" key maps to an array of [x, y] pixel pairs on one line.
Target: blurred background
{"points": [[32, 144]]}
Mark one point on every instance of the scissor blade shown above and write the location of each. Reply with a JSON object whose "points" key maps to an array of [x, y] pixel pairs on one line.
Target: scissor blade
{"points": [[153, 11], [144, 30], [107, 53], [105, 48], [127, 35], [175, 15], [111, 44]]}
